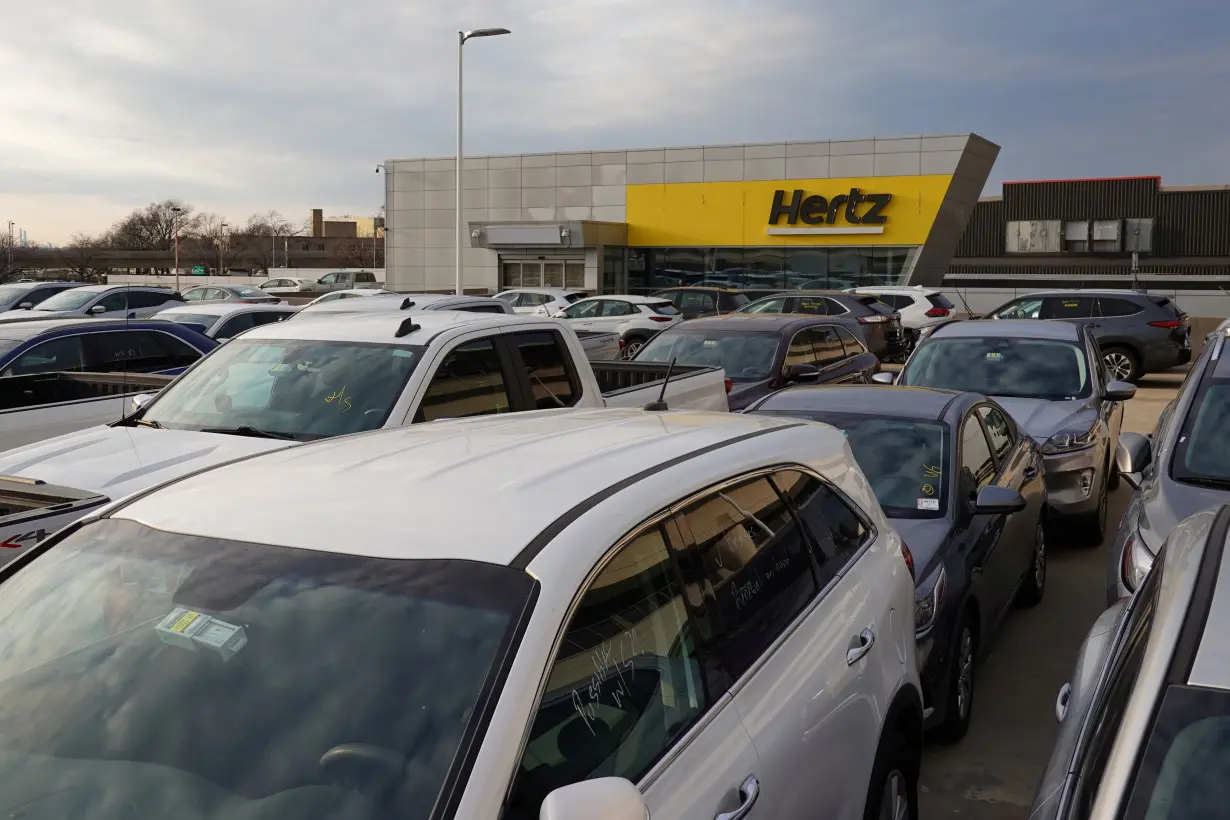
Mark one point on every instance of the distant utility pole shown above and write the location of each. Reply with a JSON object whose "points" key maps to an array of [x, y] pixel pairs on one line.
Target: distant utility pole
{"points": [[221, 239], [9, 251], [176, 211]]}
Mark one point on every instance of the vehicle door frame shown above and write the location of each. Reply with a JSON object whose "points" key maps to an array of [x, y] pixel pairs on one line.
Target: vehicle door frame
{"points": [[840, 371], [1110, 413], [100, 298], [1020, 469]]}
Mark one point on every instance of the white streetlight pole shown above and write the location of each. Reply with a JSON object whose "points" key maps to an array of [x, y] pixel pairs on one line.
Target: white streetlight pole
{"points": [[221, 238], [462, 37], [176, 211]]}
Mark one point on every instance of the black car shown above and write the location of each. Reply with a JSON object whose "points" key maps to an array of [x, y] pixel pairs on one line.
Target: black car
{"points": [[1051, 377], [761, 354], [881, 324], [697, 300], [1139, 332], [1184, 467], [963, 486]]}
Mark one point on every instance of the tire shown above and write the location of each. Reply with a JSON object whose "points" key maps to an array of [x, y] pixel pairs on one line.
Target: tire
{"points": [[893, 793], [632, 344], [1033, 587], [1122, 363], [959, 699]]}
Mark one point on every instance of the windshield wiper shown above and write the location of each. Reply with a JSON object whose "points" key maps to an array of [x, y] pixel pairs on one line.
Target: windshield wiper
{"points": [[157, 425], [1207, 481], [252, 432]]}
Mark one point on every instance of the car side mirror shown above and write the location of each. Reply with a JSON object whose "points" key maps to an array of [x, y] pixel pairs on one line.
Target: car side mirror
{"points": [[98, 309], [559, 314], [1119, 391], [997, 500], [140, 400], [26, 306], [802, 373], [604, 798], [1132, 457], [884, 378]]}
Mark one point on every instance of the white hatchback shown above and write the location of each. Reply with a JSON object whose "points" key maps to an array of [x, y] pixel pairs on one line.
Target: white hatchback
{"points": [[564, 614], [636, 319]]}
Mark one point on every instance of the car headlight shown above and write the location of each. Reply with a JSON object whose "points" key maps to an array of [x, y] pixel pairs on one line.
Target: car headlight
{"points": [[1137, 561], [927, 604], [1065, 441]]}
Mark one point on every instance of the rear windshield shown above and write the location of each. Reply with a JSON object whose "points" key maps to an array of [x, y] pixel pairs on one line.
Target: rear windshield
{"points": [[745, 357], [11, 294], [572, 297], [1171, 307], [734, 301], [198, 677], [196, 319], [244, 290], [875, 304], [939, 300], [664, 309]]}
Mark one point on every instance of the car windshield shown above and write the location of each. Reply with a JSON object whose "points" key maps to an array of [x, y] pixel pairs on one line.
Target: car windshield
{"points": [[998, 366], [73, 299], [1203, 451], [903, 459], [12, 294], [151, 674], [746, 357], [7, 345], [293, 387], [204, 320]]}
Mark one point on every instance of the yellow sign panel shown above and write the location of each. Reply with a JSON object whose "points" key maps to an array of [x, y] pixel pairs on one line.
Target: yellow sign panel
{"points": [[884, 211]]}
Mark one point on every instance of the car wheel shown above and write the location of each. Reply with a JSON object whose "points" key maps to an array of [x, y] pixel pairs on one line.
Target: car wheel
{"points": [[893, 793], [960, 696], [632, 346], [1033, 587], [1122, 364]]}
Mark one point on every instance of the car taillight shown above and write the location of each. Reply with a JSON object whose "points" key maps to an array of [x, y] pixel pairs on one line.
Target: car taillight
{"points": [[872, 320], [729, 385], [938, 311], [909, 560], [1173, 323], [622, 344], [661, 318]]}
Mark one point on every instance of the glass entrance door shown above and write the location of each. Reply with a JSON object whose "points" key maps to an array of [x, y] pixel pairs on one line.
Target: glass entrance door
{"points": [[542, 273]]}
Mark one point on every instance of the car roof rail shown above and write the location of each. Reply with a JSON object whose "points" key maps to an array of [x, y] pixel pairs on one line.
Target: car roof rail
{"points": [[943, 324]]}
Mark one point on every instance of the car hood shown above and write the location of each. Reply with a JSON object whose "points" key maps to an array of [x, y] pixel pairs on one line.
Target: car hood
{"points": [[1164, 503], [925, 537], [117, 461], [1041, 419]]}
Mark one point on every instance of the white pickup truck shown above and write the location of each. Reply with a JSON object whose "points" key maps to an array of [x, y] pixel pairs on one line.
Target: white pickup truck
{"points": [[281, 384]]}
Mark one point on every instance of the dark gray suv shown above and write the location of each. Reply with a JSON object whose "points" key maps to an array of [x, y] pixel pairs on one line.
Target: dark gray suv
{"points": [[1183, 467], [1139, 332]]}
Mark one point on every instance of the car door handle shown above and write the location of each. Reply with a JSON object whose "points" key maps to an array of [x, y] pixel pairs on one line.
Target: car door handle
{"points": [[860, 645], [748, 793]]}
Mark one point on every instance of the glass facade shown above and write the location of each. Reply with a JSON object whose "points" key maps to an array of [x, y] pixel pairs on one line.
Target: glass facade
{"points": [[765, 270]]}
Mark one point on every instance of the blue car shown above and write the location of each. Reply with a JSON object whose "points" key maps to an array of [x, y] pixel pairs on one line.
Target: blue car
{"points": [[962, 484], [99, 346]]}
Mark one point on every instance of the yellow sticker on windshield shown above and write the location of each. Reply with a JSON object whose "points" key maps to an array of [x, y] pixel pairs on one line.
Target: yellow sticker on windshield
{"points": [[994, 356], [930, 472], [927, 489], [184, 621]]}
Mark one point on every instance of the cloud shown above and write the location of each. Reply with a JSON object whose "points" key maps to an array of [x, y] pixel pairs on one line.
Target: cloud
{"points": [[240, 107]]}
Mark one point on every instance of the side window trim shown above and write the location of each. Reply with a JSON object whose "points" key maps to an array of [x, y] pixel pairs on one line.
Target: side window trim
{"points": [[158, 334], [976, 412]]}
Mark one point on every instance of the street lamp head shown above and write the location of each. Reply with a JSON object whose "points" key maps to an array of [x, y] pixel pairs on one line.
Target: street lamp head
{"points": [[483, 32]]}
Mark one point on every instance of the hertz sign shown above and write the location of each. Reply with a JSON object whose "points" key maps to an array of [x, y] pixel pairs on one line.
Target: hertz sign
{"points": [[817, 210]]}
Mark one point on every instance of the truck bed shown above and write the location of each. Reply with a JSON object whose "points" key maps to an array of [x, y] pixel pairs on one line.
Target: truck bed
{"points": [[599, 345], [31, 510], [634, 384]]}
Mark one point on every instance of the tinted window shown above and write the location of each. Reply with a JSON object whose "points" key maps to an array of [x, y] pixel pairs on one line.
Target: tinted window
{"points": [[977, 465], [747, 570], [800, 350], [813, 306], [113, 301], [828, 345], [993, 366], [133, 350], [775, 305], [835, 532], [614, 307], [1202, 452], [998, 428], [1067, 307], [853, 346], [470, 382], [583, 310], [546, 364], [693, 302], [939, 300], [138, 299], [745, 357], [63, 353], [664, 309], [180, 353], [1108, 306], [625, 684], [734, 301], [1020, 309], [482, 309], [269, 317], [365, 277], [236, 324]]}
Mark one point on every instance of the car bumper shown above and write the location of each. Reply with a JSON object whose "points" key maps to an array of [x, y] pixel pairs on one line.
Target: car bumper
{"points": [[1072, 481]]}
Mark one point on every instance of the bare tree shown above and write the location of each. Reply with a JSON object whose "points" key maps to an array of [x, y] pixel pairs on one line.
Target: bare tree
{"points": [[349, 253], [152, 228], [83, 256]]}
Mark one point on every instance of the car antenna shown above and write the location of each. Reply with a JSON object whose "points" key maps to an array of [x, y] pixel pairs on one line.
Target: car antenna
{"points": [[406, 305], [406, 328], [660, 405], [968, 312]]}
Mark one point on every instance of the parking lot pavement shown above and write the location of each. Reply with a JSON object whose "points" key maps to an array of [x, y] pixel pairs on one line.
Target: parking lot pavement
{"points": [[992, 773]]}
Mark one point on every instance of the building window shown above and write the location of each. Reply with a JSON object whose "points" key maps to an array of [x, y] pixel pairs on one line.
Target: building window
{"points": [[1076, 237]]}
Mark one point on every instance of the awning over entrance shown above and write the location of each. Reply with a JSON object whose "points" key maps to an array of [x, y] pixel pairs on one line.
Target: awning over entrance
{"points": [[549, 234]]}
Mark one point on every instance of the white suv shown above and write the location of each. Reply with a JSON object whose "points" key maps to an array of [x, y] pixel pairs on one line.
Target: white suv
{"points": [[705, 615], [636, 319], [920, 307], [540, 300]]}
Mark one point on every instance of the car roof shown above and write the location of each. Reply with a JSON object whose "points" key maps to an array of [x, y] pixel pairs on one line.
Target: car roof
{"points": [[381, 327], [1008, 329], [752, 322], [1083, 292], [868, 399], [549, 291], [223, 309], [411, 492], [380, 303], [223, 285], [896, 289], [627, 297], [105, 288], [25, 330], [700, 287]]}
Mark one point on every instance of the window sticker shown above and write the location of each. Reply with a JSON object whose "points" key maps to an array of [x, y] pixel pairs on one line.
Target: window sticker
{"points": [[932, 504], [994, 356], [927, 490], [192, 630], [930, 472]]}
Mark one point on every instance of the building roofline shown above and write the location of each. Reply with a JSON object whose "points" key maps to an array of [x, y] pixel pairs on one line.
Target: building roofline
{"points": [[1088, 179]]}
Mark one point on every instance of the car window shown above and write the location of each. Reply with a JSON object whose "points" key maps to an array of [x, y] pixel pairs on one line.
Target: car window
{"points": [[194, 294], [614, 307], [626, 682], [126, 350], [138, 299], [1020, 309], [39, 295], [180, 353], [552, 382], [998, 428], [664, 308], [236, 324], [328, 278], [977, 466], [1109, 306], [481, 308], [800, 350], [853, 346], [812, 306], [365, 277], [697, 302], [746, 357], [508, 298], [53, 355], [775, 305], [747, 572], [114, 301], [835, 532], [828, 345], [1001, 366], [470, 382], [1202, 447], [583, 310], [734, 301], [534, 299], [1067, 307], [268, 317]]}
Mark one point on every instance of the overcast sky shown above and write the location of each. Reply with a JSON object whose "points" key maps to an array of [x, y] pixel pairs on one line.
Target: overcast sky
{"points": [[239, 106]]}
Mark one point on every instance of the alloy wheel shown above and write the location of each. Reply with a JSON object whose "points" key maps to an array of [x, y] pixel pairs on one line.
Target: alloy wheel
{"points": [[895, 802], [965, 672], [1119, 365], [632, 348]]}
